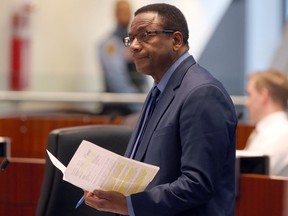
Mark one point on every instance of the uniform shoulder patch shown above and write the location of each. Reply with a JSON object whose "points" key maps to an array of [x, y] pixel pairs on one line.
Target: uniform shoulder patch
{"points": [[110, 49]]}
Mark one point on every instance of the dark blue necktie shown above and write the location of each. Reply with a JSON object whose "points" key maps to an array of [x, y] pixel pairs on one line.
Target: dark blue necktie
{"points": [[146, 117]]}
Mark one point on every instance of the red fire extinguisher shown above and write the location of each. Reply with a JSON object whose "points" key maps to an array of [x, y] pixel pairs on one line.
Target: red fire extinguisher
{"points": [[20, 48]]}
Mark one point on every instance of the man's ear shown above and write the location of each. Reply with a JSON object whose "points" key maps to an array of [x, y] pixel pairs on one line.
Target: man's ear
{"points": [[177, 40], [265, 94]]}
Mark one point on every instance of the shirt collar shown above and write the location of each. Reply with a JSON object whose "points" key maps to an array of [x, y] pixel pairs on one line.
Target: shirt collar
{"points": [[163, 82]]}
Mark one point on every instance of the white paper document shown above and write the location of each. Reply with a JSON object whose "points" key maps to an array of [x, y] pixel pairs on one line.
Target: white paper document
{"points": [[93, 167]]}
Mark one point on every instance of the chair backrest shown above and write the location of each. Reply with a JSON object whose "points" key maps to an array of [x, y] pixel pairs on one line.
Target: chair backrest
{"points": [[58, 197]]}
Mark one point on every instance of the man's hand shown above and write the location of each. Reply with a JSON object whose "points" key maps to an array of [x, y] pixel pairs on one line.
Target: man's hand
{"points": [[108, 201]]}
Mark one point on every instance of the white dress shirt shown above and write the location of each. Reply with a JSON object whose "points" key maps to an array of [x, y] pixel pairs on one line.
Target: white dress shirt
{"points": [[271, 138]]}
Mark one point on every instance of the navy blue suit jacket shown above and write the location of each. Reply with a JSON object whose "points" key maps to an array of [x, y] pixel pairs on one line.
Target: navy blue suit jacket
{"points": [[191, 137]]}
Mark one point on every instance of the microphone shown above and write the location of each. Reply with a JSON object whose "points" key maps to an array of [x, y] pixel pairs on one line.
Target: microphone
{"points": [[240, 115], [4, 164]]}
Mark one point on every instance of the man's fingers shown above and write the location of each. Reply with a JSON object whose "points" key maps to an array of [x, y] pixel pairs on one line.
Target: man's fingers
{"points": [[102, 194]]}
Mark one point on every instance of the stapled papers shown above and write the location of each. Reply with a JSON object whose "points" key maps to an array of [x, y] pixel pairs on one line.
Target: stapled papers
{"points": [[93, 167]]}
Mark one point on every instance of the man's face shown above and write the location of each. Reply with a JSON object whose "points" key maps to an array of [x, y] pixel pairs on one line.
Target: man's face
{"points": [[254, 102], [154, 56], [123, 14]]}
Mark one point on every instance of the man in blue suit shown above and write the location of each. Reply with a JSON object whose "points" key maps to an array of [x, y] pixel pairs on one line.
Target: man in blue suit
{"points": [[191, 133]]}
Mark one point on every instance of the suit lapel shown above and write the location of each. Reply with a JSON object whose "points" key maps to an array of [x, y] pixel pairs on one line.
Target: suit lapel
{"points": [[163, 103]]}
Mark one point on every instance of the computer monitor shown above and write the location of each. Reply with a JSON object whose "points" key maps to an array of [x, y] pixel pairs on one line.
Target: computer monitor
{"points": [[250, 163], [4, 147], [255, 165], [253, 162]]}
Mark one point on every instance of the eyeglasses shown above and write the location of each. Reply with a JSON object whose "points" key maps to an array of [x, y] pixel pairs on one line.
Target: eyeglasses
{"points": [[144, 36]]}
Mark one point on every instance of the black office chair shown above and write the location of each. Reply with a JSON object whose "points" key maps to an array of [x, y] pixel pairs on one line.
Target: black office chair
{"points": [[58, 197]]}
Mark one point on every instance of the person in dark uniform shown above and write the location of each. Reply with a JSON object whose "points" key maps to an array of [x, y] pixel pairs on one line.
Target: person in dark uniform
{"points": [[119, 70]]}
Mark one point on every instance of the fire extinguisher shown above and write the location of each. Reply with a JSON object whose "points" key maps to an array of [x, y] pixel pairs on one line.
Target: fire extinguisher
{"points": [[20, 48]]}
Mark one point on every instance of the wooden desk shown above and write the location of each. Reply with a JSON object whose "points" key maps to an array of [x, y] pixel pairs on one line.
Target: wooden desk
{"points": [[261, 195], [20, 182], [242, 133], [29, 133], [20, 185]]}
